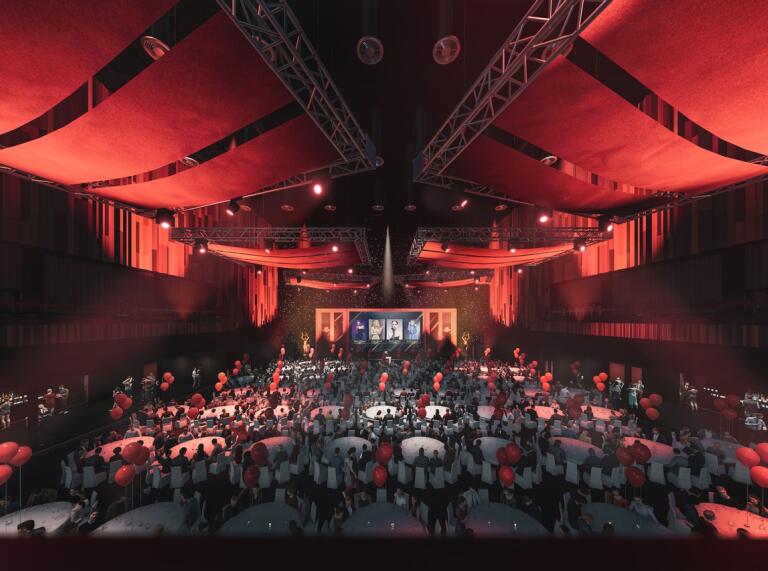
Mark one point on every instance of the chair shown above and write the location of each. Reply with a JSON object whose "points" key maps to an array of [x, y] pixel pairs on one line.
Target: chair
{"points": [[381, 496], [321, 472], [472, 468], [420, 480], [452, 475], [525, 481], [552, 467], [333, 478], [113, 468], [594, 478], [740, 474], [366, 475], [571, 473], [615, 479], [91, 478], [280, 495], [423, 513], [199, 472], [178, 478], [488, 474], [682, 479], [265, 477], [404, 474], [437, 479], [220, 465], [484, 498], [676, 520], [159, 480], [702, 481], [235, 473], [656, 473], [713, 465], [283, 473]]}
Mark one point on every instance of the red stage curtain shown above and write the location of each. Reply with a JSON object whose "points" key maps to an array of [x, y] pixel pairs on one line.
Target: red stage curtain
{"points": [[568, 112], [469, 257], [208, 86], [50, 48], [707, 58], [315, 257]]}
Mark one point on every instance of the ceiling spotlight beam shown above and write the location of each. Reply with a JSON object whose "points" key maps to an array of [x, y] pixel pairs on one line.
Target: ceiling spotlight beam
{"points": [[272, 28], [547, 29], [277, 235]]}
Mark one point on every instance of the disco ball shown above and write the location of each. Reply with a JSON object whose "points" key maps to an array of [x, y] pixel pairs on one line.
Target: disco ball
{"points": [[446, 50], [370, 50]]}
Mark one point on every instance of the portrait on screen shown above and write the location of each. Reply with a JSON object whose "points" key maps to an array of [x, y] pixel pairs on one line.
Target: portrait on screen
{"points": [[413, 333], [360, 330], [376, 329], [394, 329]]}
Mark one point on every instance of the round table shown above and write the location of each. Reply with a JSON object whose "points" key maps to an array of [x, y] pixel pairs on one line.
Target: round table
{"points": [[273, 444], [107, 450], [519, 379], [729, 448], [662, 453], [378, 412], [498, 520], [335, 411], [344, 444], [191, 446], [576, 450], [599, 412], [270, 519], [145, 521], [404, 392], [216, 411], [489, 445], [625, 522], [52, 517], [486, 412], [411, 446], [728, 520], [432, 409], [383, 520], [280, 411]]}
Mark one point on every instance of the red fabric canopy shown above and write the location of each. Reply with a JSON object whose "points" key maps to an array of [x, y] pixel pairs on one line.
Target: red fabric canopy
{"points": [[568, 112], [525, 179], [294, 147], [320, 284], [451, 283], [470, 257], [314, 257], [707, 58], [209, 85], [51, 47]]}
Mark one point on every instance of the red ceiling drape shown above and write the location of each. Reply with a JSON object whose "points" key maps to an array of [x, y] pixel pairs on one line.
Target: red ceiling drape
{"points": [[470, 257], [450, 283], [320, 284], [314, 257]]}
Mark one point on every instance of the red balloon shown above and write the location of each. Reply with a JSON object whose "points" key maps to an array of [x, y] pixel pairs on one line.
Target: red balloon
{"points": [[192, 412], [382, 387], [624, 456], [747, 456], [7, 451], [238, 364], [730, 414], [222, 376], [436, 387], [125, 403], [652, 414], [603, 377], [546, 387], [732, 400], [196, 398], [235, 372], [142, 456], [384, 377], [762, 451], [596, 379], [542, 379], [600, 387], [384, 454], [645, 403], [251, 476], [116, 413], [131, 452], [218, 387], [506, 476], [548, 376], [635, 476], [5, 473], [501, 456], [422, 412], [439, 376], [759, 475], [513, 452], [164, 386], [424, 399], [260, 454], [167, 376], [22, 456], [656, 400], [171, 380], [273, 387], [124, 475], [719, 404], [380, 476], [640, 452]]}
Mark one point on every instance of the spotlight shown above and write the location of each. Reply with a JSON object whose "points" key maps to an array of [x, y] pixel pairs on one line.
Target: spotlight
{"points": [[317, 188], [287, 207], [201, 245], [500, 207], [233, 207], [512, 250], [477, 281], [579, 245], [445, 247], [303, 272], [471, 272], [513, 246], [354, 291], [410, 207], [370, 50], [427, 272], [330, 207], [334, 248], [164, 217], [464, 203], [604, 224], [519, 270], [446, 50], [543, 218], [258, 272], [477, 288], [549, 160], [268, 247], [368, 285], [350, 271], [335, 283]]}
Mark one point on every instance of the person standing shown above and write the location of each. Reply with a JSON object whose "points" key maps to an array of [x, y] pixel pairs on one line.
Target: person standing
{"points": [[616, 387], [63, 396], [196, 377]]}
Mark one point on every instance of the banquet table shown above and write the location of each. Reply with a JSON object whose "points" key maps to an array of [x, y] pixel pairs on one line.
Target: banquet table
{"points": [[728, 519], [377, 412], [431, 409], [383, 520], [191, 446], [216, 411], [344, 444], [498, 520], [107, 450], [335, 411], [729, 448], [489, 445], [401, 391], [599, 412], [486, 412], [273, 444], [662, 453], [576, 450], [625, 522], [280, 411], [145, 521], [269, 519], [52, 517], [173, 409], [411, 446]]}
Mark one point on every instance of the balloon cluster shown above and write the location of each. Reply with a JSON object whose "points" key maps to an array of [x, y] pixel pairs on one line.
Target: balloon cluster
{"points": [[507, 456], [168, 380], [276, 377], [436, 380], [383, 456], [222, 380], [423, 402], [406, 367], [383, 381], [12, 456], [122, 403], [545, 380], [752, 458], [651, 406], [599, 381], [727, 407]]}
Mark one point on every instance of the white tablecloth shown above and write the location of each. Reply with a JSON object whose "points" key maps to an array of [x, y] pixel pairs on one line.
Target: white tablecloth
{"points": [[280, 411], [486, 412], [378, 412], [216, 411], [431, 409], [412, 445], [51, 516], [662, 453], [145, 521], [489, 445], [728, 520], [382, 520], [345, 443], [335, 411], [729, 448], [625, 522], [273, 445], [576, 450], [599, 412], [191, 446], [498, 520], [108, 449], [270, 519]]}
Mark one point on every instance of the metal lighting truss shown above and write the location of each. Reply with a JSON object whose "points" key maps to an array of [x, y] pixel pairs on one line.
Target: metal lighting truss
{"points": [[445, 275], [547, 29], [289, 235], [529, 236], [288, 275], [272, 28]]}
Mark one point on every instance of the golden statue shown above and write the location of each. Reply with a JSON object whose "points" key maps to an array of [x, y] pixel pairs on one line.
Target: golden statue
{"points": [[465, 337], [304, 342]]}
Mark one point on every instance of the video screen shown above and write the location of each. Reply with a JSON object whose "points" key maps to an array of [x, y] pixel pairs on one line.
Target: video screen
{"points": [[379, 326]]}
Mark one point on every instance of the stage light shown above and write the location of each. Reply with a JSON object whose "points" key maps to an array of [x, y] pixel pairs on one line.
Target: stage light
{"points": [[201, 245], [604, 224], [427, 272], [549, 160], [354, 291], [268, 247], [330, 207], [258, 272], [317, 188], [303, 272], [445, 247], [512, 250], [368, 285], [464, 203], [350, 271], [476, 288], [410, 207], [446, 50], [334, 248], [500, 207], [233, 207], [519, 270], [579, 245], [286, 207], [164, 217], [543, 218], [335, 283], [370, 50], [471, 272], [513, 246], [477, 280]]}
